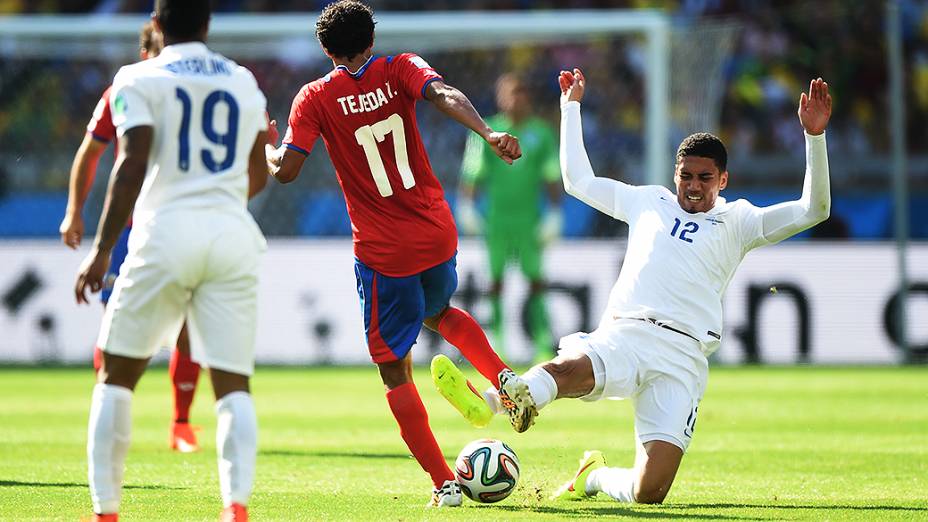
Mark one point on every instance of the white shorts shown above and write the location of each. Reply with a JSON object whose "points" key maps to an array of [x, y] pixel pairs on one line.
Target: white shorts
{"points": [[201, 265], [664, 374]]}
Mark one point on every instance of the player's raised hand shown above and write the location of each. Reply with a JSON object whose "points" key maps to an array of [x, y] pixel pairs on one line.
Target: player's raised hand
{"points": [[505, 145], [815, 107], [572, 85], [90, 276], [72, 229]]}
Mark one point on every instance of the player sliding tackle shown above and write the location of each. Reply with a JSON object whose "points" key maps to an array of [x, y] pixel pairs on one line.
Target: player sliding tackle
{"points": [[664, 315]]}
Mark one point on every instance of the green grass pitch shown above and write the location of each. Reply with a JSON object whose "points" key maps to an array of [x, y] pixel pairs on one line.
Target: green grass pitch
{"points": [[770, 444]]}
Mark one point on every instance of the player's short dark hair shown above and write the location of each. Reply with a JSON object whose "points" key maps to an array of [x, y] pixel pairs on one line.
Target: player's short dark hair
{"points": [[182, 19], [704, 145], [346, 28], [148, 40]]}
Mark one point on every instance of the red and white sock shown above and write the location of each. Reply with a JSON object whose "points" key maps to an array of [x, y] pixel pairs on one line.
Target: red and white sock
{"points": [[463, 332], [184, 374], [410, 414]]}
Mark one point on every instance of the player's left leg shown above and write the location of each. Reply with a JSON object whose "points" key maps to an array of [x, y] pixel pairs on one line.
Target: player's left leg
{"points": [[393, 309], [184, 373], [109, 429]]}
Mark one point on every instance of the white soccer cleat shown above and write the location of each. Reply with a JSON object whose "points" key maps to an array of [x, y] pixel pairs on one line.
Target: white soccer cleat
{"points": [[518, 401], [448, 495]]}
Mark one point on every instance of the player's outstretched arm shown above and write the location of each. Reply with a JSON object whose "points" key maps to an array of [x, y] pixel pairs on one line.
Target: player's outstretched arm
{"points": [[83, 171], [789, 218], [603, 194], [456, 105], [125, 185]]}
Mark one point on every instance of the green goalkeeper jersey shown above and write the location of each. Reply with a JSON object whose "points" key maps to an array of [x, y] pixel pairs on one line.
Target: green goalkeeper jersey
{"points": [[513, 191]]}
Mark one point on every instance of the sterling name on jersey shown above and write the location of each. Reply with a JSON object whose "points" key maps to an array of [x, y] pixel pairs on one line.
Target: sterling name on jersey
{"points": [[206, 111], [678, 264], [400, 222]]}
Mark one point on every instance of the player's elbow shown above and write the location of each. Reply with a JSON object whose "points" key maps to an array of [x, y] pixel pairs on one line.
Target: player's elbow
{"points": [[820, 212]]}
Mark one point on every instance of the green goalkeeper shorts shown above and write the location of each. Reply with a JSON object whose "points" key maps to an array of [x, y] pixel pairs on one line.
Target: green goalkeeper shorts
{"points": [[514, 244]]}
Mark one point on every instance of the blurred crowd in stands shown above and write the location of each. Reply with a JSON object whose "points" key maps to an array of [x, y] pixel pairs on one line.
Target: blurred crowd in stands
{"points": [[780, 46]]}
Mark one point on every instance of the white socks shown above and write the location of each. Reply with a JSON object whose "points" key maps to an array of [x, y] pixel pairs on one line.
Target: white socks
{"points": [[237, 446], [108, 433], [618, 483], [540, 384]]}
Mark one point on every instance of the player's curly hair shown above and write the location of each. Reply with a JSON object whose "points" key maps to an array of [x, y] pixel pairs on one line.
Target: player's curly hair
{"points": [[704, 145], [346, 28], [182, 19]]}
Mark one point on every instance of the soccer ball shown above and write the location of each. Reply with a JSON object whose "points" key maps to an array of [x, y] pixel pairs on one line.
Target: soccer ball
{"points": [[487, 470]]}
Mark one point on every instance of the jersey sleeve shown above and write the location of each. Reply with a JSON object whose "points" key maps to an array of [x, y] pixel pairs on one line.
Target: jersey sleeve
{"points": [[129, 102], [303, 123], [750, 225], [414, 74], [101, 123]]}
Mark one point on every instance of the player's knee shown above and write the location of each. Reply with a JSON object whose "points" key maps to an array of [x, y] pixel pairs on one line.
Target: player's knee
{"points": [[651, 493], [394, 374], [574, 376]]}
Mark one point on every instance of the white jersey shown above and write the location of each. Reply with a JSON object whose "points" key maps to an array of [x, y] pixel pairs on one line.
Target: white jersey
{"points": [[206, 112], [678, 264]]}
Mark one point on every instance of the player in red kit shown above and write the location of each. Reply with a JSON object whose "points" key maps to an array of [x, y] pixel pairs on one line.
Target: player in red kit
{"points": [[405, 239], [100, 132]]}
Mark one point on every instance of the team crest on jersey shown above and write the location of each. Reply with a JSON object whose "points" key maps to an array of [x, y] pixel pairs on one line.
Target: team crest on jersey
{"points": [[419, 62], [119, 105]]}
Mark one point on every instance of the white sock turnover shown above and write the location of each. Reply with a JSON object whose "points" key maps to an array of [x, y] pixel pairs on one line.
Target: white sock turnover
{"points": [[108, 434], [618, 483], [541, 385], [237, 446]]}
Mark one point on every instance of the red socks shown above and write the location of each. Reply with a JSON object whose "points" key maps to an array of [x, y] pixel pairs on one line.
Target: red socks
{"points": [[184, 374], [410, 414], [463, 332]]}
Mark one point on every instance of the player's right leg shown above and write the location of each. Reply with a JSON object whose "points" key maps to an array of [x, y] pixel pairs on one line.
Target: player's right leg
{"points": [[455, 325], [393, 309], [145, 311], [236, 442], [648, 482]]}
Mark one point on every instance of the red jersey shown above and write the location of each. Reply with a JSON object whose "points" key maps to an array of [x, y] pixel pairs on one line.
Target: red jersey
{"points": [[101, 123], [102, 129], [400, 222]]}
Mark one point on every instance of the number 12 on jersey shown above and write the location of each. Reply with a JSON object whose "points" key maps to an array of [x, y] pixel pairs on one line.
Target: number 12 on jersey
{"points": [[369, 136], [688, 228]]}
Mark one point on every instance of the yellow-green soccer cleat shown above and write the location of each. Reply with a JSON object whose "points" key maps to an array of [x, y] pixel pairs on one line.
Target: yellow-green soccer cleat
{"points": [[454, 387], [575, 489]]}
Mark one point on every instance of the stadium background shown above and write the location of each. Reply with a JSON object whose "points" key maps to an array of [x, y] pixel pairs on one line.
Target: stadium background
{"points": [[736, 69]]}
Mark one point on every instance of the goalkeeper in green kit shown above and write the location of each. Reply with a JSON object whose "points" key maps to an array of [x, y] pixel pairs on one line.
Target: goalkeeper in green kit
{"points": [[514, 225]]}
